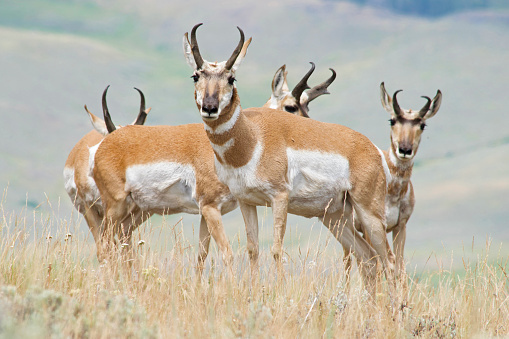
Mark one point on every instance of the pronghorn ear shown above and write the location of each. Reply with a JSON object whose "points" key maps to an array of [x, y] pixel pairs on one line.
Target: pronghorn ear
{"points": [[435, 105], [98, 124], [386, 99], [242, 54], [279, 82], [188, 53]]}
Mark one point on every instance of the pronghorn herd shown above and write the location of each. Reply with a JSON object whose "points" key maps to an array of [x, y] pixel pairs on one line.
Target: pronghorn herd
{"points": [[119, 177]]}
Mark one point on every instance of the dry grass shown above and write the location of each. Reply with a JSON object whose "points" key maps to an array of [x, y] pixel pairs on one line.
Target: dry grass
{"points": [[52, 286]]}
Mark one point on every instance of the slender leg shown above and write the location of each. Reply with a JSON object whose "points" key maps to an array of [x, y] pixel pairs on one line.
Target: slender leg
{"points": [[214, 224], [251, 221], [204, 244], [398, 243], [94, 221], [279, 210], [339, 225]]}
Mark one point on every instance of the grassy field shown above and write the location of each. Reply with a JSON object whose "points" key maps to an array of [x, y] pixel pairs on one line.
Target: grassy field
{"points": [[51, 285]]}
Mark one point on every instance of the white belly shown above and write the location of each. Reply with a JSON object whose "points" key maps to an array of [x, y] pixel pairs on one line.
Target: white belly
{"points": [[317, 182], [164, 187]]}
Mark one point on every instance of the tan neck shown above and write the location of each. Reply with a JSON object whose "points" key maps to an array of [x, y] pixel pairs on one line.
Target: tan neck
{"points": [[232, 135]]}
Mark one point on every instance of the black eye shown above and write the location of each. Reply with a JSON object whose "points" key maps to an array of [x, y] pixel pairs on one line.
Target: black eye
{"points": [[392, 122], [231, 79], [195, 77], [291, 109], [423, 125]]}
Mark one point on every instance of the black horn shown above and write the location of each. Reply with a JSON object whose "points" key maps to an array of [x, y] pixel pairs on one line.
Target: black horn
{"points": [[395, 105], [107, 118], [236, 52], [194, 47], [426, 107], [303, 84], [318, 90], [142, 115]]}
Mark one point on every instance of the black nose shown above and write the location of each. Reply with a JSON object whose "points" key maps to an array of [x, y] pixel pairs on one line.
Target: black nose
{"points": [[209, 109], [405, 150]]}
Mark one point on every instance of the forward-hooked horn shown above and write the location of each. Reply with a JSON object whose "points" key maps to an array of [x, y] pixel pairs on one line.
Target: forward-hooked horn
{"points": [[426, 107], [236, 52], [395, 105], [107, 118], [318, 90], [194, 47], [143, 113], [303, 84]]}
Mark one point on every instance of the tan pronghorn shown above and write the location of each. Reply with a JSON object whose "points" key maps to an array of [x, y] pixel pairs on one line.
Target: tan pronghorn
{"points": [[406, 130], [292, 164], [143, 170], [78, 181], [298, 99]]}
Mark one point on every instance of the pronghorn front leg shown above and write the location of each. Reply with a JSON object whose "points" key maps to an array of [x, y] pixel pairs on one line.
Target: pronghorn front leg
{"points": [[280, 212], [251, 221], [398, 243], [214, 225]]}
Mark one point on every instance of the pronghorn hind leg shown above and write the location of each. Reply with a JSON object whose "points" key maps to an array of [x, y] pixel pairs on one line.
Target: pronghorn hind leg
{"points": [[339, 223]]}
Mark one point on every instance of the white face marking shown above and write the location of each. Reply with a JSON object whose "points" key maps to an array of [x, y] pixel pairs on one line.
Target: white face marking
{"points": [[163, 187], [226, 126], [225, 100], [317, 181], [396, 161]]}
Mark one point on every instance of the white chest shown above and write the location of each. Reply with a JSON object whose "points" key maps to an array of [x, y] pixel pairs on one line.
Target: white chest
{"points": [[163, 187]]}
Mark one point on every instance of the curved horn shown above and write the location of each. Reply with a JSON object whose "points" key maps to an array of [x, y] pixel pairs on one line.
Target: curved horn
{"points": [[302, 85], [426, 107], [318, 90], [236, 52], [395, 105], [194, 47], [143, 113], [107, 118]]}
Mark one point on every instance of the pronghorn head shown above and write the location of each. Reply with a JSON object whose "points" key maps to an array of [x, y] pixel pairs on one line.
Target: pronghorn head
{"points": [[213, 81], [107, 126], [298, 99], [407, 125]]}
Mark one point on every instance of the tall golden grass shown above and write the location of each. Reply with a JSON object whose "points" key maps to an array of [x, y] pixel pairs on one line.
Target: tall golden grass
{"points": [[51, 285]]}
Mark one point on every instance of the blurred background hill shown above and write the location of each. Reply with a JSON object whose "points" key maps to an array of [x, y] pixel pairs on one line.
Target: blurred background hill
{"points": [[56, 56]]}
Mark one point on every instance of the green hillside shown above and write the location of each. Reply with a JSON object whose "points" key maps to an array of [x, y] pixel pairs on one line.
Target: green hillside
{"points": [[56, 56]]}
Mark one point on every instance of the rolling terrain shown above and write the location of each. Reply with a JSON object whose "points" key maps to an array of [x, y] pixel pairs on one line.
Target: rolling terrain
{"points": [[55, 57]]}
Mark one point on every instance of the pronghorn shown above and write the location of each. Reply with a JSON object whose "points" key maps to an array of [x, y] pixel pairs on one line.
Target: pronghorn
{"points": [[406, 130], [78, 181], [172, 171], [292, 164], [298, 99]]}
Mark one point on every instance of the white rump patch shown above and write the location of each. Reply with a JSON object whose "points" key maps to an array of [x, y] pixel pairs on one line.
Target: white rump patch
{"points": [[317, 181], [70, 185], [163, 187]]}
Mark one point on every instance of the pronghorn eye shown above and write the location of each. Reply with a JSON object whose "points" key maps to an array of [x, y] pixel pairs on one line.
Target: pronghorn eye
{"points": [[195, 77], [291, 109], [423, 125], [231, 79], [392, 122]]}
